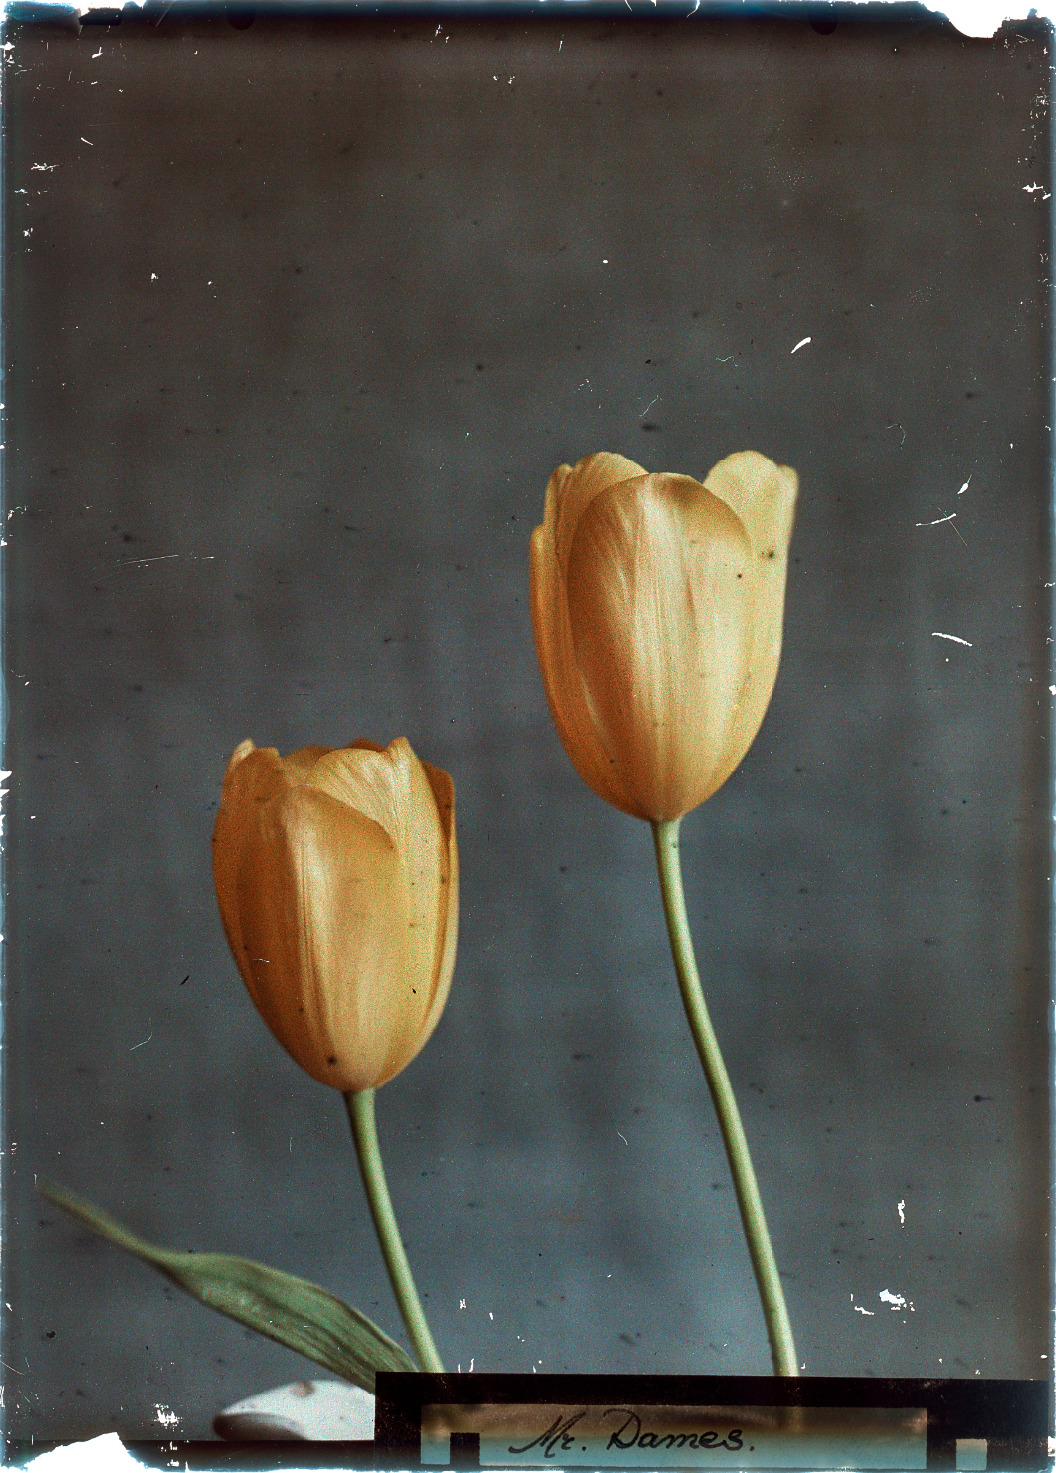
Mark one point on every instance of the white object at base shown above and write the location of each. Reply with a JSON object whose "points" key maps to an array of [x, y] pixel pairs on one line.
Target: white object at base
{"points": [[106, 1454], [310, 1411]]}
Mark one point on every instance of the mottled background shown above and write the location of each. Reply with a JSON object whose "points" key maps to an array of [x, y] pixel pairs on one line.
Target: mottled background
{"points": [[300, 317]]}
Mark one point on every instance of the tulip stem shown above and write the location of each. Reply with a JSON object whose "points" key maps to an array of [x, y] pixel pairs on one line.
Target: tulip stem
{"points": [[783, 1351], [360, 1107]]}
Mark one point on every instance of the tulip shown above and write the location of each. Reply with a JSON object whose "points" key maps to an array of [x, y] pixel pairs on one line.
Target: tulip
{"points": [[337, 878], [657, 607]]}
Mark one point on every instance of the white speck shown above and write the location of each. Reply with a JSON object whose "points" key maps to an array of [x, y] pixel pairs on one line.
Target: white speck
{"points": [[605, 260], [153, 276], [560, 43], [870, 1312], [902, 1212], [1052, 690], [97, 54], [44, 168], [1032, 188], [471, 1360], [490, 1315], [896, 1301], [938, 520], [461, 1304], [164, 1416], [956, 639], [88, 141], [964, 488], [801, 344]]}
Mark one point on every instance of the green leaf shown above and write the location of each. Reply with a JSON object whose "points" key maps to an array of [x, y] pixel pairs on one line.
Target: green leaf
{"points": [[287, 1309]]}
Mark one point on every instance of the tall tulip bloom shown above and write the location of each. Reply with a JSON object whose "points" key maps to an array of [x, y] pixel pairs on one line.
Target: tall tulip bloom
{"points": [[657, 604], [337, 879]]}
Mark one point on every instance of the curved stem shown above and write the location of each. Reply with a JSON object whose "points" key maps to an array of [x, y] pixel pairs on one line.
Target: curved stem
{"points": [[360, 1109], [783, 1351]]}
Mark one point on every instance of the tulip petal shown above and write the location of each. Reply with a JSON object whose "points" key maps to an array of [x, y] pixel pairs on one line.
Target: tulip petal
{"points": [[254, 777], [562, 682], [371, 780], [394, 789], [763, 495], [447, 930], [321, 898], [660, 585], [571, 490]]}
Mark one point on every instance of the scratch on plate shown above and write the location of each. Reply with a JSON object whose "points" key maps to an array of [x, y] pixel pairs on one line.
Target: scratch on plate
{"points": [[650, 404], [192, 557], [623, 1138], [947, 517], [936, 634], [149, 1036]]}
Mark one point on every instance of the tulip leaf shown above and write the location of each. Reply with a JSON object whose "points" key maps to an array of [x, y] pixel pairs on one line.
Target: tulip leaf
{"points": [[292, 1311]]}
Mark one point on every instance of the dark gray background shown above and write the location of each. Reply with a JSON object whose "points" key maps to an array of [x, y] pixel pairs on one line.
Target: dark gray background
{"points": [[300, 318]]}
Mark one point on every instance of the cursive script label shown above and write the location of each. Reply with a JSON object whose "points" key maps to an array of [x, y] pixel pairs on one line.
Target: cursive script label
{"points": [[605, 1435]]}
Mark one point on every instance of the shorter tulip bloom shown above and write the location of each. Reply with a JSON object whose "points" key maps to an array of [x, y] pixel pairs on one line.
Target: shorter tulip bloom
{"points": [[657, 606], [337, 878]]}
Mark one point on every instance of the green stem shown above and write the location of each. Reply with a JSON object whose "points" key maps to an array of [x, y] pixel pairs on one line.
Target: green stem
{"points": [[360, 1109], [783, 1351]]}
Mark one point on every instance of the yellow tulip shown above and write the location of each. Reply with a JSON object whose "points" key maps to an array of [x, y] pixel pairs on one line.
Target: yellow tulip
{"points": [[657, 605], [337, 877]]}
